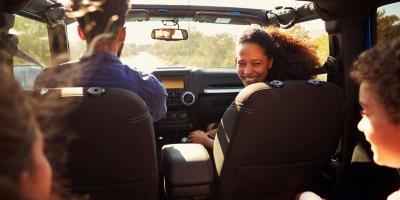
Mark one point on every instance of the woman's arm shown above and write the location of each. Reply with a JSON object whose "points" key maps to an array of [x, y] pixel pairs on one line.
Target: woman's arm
{"points": [[201, 137]]}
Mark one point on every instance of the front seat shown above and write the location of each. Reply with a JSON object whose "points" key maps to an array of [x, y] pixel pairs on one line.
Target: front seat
{"points": [[273, 142], [113, 154], [275, 139]]}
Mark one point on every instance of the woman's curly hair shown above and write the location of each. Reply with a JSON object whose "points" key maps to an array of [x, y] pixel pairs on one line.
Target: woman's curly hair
{"points": [[294, 59], [298, 58], [380, 68]]}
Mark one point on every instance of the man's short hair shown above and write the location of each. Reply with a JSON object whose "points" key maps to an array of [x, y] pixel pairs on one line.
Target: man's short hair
{"points": [[101, 16], [380, 68]]}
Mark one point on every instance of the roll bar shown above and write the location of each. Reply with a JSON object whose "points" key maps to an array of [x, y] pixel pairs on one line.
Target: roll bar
{"points": [[286, 17]]}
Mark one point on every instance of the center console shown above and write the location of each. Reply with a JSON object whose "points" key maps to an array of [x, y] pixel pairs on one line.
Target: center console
{"points": [[178, 122], [179, 104]]}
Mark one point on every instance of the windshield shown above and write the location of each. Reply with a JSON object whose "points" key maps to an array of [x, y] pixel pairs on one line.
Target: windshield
{"points": [[208, 46]]}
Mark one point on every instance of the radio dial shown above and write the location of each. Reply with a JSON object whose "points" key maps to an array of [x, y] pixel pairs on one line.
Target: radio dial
{"points": [[188, 98]]}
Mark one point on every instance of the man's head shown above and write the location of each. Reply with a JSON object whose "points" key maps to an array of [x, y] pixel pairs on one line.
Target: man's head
{"points": [[100, 16], [378, 72]]}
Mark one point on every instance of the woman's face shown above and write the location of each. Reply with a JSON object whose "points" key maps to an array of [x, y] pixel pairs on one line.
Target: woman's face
{"points": [[251, 63], [383, 135], [36, 182]]}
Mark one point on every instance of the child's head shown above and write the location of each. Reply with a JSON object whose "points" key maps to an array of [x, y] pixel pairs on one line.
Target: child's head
{"points": [[22, 160], [378, 72]]}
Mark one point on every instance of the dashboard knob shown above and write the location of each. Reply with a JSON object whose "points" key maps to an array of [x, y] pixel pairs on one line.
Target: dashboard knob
{"points": [[173, 116], [188, 98], [183, 115]]}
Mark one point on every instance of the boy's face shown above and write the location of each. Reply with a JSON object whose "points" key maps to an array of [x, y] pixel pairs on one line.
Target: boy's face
{"points": [[36, 183], [380, 132]]}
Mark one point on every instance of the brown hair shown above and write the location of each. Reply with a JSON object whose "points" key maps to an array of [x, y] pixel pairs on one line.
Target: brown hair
{"points": [[100, 16], [294, 59], [380, 67], [18, 130]]}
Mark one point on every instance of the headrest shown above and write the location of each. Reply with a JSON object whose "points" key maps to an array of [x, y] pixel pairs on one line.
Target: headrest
{"points": [[290, 89]]}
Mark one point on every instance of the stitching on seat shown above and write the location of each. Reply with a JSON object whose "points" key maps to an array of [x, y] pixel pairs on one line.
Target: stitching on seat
{"points": [[140, 117]]}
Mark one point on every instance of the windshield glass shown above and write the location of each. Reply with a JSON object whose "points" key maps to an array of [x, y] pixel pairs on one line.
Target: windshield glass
{"points": [[208, 46]]}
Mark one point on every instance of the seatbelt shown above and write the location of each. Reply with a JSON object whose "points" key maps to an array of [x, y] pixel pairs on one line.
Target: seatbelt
{"points": [[26, 57], [9, 44]]}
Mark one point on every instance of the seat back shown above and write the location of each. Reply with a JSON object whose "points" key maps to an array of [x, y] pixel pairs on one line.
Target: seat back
{"points": [[113, 155], [273, 141]]}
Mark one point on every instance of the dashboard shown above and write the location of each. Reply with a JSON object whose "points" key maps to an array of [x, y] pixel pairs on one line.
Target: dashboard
{"points": [[195, 98]]}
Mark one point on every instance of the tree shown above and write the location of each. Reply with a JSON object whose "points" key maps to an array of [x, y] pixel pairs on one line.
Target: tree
{"points": [[33, 39], [299, 32], [321, 44], [388, 26], [129, 50], [199, 50]]}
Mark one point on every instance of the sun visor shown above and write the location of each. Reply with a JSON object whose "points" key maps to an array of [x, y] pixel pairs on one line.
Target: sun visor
{"points": [[227, 18]]}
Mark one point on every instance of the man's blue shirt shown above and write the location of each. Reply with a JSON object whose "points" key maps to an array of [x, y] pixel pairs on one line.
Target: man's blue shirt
{"points": [[110, 72], [103, 69]]}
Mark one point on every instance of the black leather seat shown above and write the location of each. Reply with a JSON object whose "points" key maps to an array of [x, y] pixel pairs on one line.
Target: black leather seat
{"points": [[273, 141], [113, 155]]}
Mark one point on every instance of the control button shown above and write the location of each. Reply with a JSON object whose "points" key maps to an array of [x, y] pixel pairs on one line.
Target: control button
{"points": [[314, 82], [277, 84], [173, 116], [185, 140], [188, 98], [183, 115], [96, 91]]}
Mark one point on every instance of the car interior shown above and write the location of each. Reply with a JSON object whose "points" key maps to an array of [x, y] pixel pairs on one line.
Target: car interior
{"points": [[274, 139]]}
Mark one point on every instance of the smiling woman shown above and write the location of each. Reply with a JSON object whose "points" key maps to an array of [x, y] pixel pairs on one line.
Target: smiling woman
{"points": [[265, 55]]}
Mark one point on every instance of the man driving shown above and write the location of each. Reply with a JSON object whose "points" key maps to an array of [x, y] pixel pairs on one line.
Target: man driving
{"points": [[101, 24]]}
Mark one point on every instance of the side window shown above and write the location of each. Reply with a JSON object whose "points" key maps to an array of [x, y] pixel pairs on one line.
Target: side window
{"points": [[76, 46], [314, 32], [388, 22], [34, 41]]}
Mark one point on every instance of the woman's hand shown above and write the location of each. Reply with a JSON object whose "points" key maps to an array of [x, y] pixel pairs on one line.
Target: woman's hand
{"points": [[200, 137]]}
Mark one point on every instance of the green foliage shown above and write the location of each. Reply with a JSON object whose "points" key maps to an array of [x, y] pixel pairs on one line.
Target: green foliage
{"points": [[129, 50], [388, 26], [199, 50], [299, 32], [321, 44], [33, 39]]}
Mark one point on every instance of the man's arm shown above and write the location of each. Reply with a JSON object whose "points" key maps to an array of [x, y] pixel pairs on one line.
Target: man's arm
{"points": [[155, 97]]}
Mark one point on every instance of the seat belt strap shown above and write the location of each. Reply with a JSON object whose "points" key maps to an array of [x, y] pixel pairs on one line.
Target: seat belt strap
{"points": [[26, 57]]}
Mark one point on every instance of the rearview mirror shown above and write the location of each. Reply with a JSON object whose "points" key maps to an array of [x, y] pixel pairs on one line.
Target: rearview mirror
{"points": [[169, 34]]}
